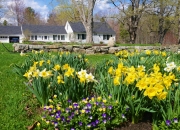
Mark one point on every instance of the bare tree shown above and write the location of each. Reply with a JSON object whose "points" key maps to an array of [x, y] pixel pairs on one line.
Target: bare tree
{"points": [[178, 19], [17, 8], [164, 9], [131, 14], [85, 8]]}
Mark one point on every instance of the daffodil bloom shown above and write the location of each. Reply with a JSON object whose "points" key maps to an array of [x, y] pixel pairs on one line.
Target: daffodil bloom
{"points": [[36, 73], [22, 54], [69, 72], [116, 81], [57, 67], [65, 67], [90, 77], [41, 62], [48, 61], [44, 73], [28, 74], [38, 124], [148, 52]]}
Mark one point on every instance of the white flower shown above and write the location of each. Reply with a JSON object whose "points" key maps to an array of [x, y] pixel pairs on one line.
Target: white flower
{"points": [[82, 73], [167, 69], [171, 65], [89, 77], [22, 54]]}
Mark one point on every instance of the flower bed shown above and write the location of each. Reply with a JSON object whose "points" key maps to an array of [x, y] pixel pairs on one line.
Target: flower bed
{"points": [[120, 89]]}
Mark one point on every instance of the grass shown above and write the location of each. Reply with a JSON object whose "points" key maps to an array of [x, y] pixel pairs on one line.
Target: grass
{"points": [[126, 44], [18, 108]]}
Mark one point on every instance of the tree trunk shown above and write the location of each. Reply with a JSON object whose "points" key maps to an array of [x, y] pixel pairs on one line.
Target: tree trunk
{"points": [[89, 34]]}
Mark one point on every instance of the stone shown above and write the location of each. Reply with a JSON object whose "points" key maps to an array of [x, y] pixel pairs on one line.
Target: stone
{"points": [[111, 42], [89, 51], [113, 50]]}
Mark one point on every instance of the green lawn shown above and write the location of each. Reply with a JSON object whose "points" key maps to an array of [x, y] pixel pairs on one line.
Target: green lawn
{"points": [[15, 97]]}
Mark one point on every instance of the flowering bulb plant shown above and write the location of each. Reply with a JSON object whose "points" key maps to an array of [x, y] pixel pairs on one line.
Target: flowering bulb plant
{"points": [[61, 74], [89, 113]]}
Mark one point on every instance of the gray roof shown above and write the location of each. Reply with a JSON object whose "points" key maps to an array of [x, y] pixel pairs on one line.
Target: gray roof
{"points": [[45, 29], [99, 28], [10, 30]]}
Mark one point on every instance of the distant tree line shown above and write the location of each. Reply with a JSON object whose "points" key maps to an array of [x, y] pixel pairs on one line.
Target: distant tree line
{"points": [[134, 21]]}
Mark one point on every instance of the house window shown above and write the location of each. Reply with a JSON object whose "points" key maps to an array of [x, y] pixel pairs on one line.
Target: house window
{"points": [[54, 37], [45, 37], [3, 37], [62, 37], [32, 37], [58, 37], [42, 37], [35, 37], [106, 37], [82, 36]]}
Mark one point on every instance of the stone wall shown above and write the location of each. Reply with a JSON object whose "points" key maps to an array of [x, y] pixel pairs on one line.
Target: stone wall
{"points": [[89, 49]]}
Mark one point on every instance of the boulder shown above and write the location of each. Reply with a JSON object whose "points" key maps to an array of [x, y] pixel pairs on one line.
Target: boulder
{"points": [[111, 42]]}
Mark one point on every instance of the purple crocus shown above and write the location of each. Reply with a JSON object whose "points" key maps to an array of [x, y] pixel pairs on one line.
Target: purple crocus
{"points": [[104, 115], [175, 120], [104, 121], [90, 117], [72, 128], [168, 122]]}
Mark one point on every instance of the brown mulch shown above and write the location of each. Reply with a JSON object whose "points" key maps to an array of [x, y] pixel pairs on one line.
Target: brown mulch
{"points": [[138, 126]]}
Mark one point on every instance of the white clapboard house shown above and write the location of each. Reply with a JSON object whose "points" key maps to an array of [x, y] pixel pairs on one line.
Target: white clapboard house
{"points": [[71, 32]]}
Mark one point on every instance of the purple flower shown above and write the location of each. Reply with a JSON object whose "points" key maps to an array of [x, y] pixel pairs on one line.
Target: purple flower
{"points": [[72, 114], [69, 100], [104, 115], [127, 109], [175, 120], [88, 105], [168, 122], [123, 116], [89, 125], [50, 109], [110, 107], [62, 118], [97, 103], [104, 121], [97, 121], [90, 117], [93, 124], [67, 110], [75, 105], [57, 117], [72, 128], [80, 123], [55, 124], [109, 118], [88, 111]]}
